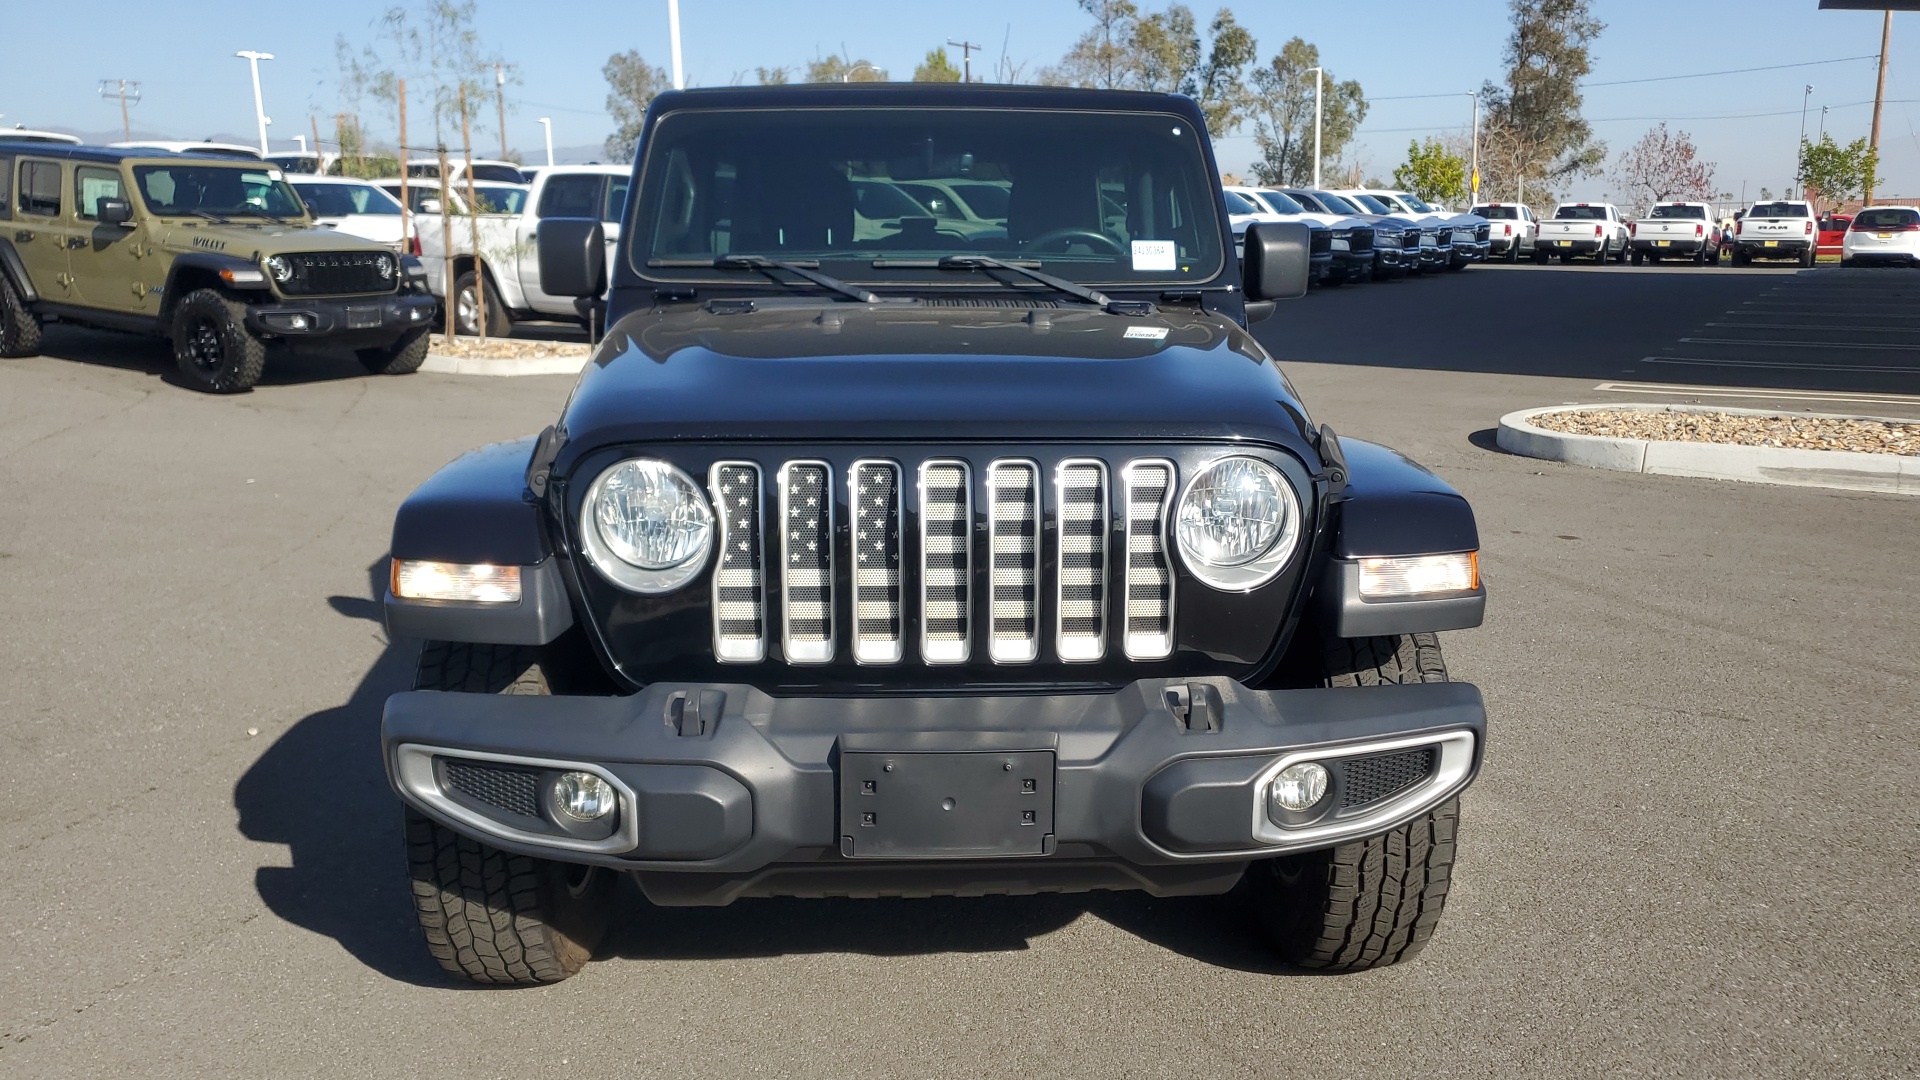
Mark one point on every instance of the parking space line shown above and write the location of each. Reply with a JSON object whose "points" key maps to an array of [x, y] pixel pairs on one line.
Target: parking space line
{"points": [[1679, 389], [1799, 344], [1822, 325], [1778, 365]]}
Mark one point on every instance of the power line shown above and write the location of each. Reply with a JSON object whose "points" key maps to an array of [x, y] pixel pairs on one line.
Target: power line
{"points": [[1733, 71]]}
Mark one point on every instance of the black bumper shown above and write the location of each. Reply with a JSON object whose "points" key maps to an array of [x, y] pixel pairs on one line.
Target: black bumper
{"points": [[1774, 249], [726, 791], [1570, 247], [1669, 247], [355, 321]]}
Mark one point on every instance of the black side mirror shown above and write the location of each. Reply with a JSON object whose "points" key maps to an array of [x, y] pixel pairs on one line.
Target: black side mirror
{"points": [[115, 211], [1275, 265], [573, 257]]}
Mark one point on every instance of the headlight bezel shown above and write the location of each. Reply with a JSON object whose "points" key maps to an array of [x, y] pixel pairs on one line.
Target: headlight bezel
{"points": [[278, 267], [1259, 570], [629, 576]]}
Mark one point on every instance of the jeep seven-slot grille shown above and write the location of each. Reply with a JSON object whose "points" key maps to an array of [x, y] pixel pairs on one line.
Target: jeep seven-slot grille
{"points": [[325, 273], [930, 585]]}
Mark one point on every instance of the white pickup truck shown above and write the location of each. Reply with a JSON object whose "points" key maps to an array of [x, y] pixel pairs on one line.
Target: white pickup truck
{"points": [[1512, 229], [1677, 229], [1582, 229], [509, 251], [1781, 229]]}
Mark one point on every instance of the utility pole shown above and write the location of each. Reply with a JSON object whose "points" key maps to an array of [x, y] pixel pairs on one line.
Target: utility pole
{"points": [[1799, 165], [966, 57], [547, 122], [128, 91], [500, 99], [259, 111], [1473, 178], [407, 234], [1318, 77], [673, 31], [1879, 95]]}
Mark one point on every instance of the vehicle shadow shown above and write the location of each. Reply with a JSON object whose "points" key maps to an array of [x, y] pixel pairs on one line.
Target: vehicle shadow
{"points": [[154, 356], [320, 790]]}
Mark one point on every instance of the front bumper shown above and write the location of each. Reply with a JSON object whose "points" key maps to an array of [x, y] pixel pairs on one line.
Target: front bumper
{"points": [[1436, 254], [1470, 251], [726, 791], [375, 319]]}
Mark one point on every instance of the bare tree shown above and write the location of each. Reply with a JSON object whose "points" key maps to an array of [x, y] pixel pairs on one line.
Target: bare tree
{"points": [[1662, 166]]}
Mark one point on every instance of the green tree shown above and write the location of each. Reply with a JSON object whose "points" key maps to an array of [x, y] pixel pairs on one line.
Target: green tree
{"points": [[1103, 58], [1433, 172], [771, 76], [1835, 173], [1164, 52], [936, 68], [1282, 108], [632, 84], [840, 69], [1533, 123]]}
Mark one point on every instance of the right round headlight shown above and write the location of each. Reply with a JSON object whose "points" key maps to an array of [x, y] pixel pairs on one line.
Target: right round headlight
{"points": [[279, 267], [1237, 523], [647, 526]]}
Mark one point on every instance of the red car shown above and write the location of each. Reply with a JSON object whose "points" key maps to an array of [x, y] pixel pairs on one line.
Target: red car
{"points": [[1833, 231]]}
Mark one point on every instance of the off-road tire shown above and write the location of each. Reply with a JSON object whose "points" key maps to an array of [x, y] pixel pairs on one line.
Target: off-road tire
{"points": [[1372, 902], [490, 916], [212, 345], [403, 357], [499, 320], [19, 328]]}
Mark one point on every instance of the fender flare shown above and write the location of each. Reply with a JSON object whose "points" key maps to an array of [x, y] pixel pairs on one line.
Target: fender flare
{"points": [[203, 260], [1390, 505], [15, 270]]}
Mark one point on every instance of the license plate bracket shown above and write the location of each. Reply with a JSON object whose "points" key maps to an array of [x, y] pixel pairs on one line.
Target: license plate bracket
{"points": [[362, 317], [946, 805]]}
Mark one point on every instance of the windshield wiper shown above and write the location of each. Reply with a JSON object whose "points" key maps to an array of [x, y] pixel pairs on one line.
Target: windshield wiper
{"points": [[275, 218], [767, 265], [1058, 284], [210, 216]]}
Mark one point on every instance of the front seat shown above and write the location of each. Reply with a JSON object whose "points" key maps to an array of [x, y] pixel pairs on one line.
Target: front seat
{"points": [[785, 210]]}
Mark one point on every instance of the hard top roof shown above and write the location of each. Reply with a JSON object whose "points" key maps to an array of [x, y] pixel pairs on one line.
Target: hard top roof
{"points": [[115, 154], [960, 95]]}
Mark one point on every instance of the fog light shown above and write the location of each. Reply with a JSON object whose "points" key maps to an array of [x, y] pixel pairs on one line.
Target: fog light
{"points": [[299, 322], [583, 796], [1419, 575], [483, 583], [1298, 787]]}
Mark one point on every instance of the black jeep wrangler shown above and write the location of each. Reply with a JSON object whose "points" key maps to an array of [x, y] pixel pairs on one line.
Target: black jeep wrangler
{"points": [[928, 522]]}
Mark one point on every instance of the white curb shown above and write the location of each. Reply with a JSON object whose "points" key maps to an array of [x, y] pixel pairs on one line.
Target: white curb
{"points": [[442, 364], [1852, 470]]}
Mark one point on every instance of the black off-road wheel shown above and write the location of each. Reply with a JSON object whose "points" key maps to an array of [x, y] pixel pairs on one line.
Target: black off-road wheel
{"points": [[490, 916], [19, 328], [212, 345], [466, 308], [403, 357], [1372, 902]]}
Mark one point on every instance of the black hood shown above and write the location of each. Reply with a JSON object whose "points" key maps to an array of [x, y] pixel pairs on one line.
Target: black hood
{"points": [[806, 370]]}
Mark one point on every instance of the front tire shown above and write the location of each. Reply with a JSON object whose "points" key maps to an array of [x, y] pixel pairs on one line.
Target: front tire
{"points": [[466, 308], [1371, 902], [403, 357], [19, 328], [212, 345], [490, 916]]}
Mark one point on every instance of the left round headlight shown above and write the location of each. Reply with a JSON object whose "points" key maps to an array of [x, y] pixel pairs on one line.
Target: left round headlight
{"points": [[647, 526], [384, 267], [279, 267], [1237, 523]]}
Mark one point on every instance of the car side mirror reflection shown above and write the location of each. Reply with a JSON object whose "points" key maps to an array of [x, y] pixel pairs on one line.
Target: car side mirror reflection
{"points": [[1275, 263], [573, 257], [115, 212]]}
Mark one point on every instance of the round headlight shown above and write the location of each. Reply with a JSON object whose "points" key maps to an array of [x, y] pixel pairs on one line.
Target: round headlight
{"points": [[384, 267], [279, 267], [647, 526], [1237, 523]]}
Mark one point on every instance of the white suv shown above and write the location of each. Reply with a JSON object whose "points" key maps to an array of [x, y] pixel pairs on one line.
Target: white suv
{"points": [[1883, 234]]}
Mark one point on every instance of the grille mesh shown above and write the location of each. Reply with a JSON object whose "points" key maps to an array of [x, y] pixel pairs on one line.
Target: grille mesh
{"points": [[517, 791], [1360, 240], [1149, 602], [1371, 779], [876, 562], [1083, 559], [1012, 524], [806, 530], [945, 552], [327, 272], [739, 591]]}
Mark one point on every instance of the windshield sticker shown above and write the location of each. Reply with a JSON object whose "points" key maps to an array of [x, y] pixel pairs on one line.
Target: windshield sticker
{"points": [[276, 175], [1153, 255], [1147, 333]]}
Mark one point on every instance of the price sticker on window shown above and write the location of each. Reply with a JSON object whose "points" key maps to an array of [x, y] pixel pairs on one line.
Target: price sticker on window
{"points": [[1154, 255]]}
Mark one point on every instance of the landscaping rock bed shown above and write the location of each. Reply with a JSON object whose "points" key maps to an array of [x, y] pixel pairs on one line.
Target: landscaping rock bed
{"points": [[493, 348], [1794, 432]]}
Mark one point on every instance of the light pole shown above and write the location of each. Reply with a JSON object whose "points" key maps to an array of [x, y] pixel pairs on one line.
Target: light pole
{"points": [[1318, 77], [1799, 163], [1823, 124], [673, 31], [259, 111], [547, 122], [847, 75], [1473, 178]]}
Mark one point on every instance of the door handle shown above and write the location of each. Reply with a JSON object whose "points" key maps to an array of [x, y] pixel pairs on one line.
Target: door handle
{"points": [[22, 236], [76, 242]]}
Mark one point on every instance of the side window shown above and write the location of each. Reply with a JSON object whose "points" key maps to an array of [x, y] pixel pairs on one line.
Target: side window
{"points": [[6, 188], [616, 206], [90, 185], [571, 196], [40, 188]]}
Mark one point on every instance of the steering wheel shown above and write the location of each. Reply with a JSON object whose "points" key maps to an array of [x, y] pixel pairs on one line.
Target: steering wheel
{"points": [[1089, 236]]}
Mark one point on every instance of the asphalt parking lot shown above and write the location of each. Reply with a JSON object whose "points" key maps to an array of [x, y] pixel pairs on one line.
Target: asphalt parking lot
{"points": [[1692, 852]]}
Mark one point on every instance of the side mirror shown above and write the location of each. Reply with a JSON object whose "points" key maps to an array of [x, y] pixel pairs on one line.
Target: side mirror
{"points": [[430, 206], [115, 212], [573, 257], [1275, 265]]}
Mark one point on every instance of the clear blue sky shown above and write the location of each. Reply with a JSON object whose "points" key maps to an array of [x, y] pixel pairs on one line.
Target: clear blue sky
{"points": [[194, 87]]}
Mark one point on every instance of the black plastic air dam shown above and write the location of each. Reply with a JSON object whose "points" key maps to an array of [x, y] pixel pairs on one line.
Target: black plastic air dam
{"points": [[786, 751]]}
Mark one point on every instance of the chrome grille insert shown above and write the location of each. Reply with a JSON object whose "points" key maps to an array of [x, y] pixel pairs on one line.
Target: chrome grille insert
{"points": [[1082, 577], [946, 561], [739, 583], [874, 489], [1013, 517], [806, 561], [1149, 600]]}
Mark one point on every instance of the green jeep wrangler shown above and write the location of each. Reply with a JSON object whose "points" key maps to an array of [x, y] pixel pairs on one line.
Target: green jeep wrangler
{"points": [[217, 255]]}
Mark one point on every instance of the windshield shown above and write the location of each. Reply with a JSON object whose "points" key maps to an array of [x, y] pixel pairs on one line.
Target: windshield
{"points": [[1779, 210], [1692, 213], [1371, 204], [339, 200], [1282, 203], [1581, 213], [178, 189], [1497, 213], [1239, 204], [1414, 202], [1090, 196]]}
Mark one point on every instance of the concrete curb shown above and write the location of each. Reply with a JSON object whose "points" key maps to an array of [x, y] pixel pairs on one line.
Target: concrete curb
{"points": [[1850, 470], [442, 364]]}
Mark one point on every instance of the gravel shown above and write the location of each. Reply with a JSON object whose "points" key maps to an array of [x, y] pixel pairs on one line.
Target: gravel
{"points": [[1796, 432], [505, 348]]}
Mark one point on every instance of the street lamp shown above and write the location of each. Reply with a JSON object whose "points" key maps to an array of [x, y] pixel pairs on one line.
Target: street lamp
{"points": [[673, 32], [1318, 78], [847, 75], [1799, 163], [259, 112], [547, 122]]}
